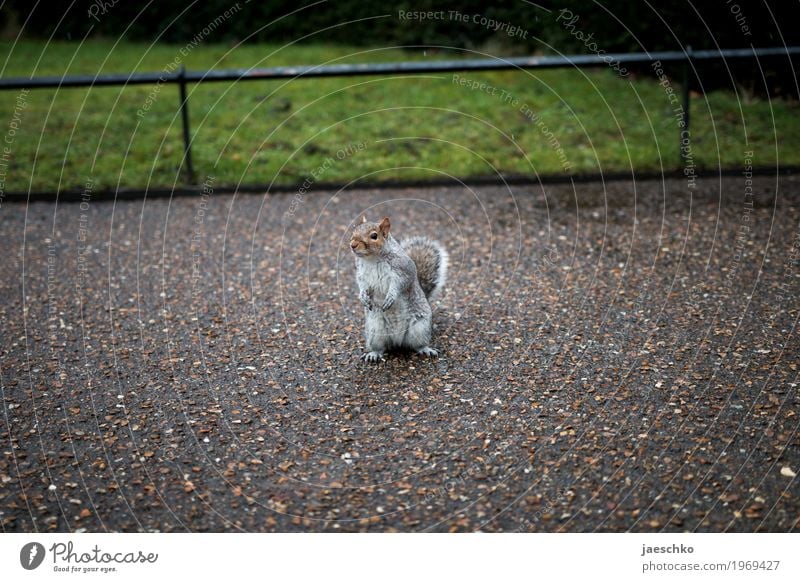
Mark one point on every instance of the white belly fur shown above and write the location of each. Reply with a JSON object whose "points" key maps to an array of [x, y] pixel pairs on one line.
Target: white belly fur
{"points": [[391, 325], [376, 276]]}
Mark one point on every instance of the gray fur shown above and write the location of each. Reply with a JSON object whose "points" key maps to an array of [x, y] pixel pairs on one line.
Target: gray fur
{"points": [[395, 303], [431, 260]]}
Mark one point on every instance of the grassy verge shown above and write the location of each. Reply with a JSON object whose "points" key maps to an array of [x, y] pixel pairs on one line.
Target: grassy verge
{"points": [[423, 126]]}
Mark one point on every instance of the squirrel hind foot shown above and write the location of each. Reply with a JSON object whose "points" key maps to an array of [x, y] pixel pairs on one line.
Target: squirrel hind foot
{"points": [[428, 352], [373, 357]]}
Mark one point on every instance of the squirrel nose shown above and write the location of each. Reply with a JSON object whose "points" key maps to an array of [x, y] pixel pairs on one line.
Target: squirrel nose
{"points": [[353, 244]]}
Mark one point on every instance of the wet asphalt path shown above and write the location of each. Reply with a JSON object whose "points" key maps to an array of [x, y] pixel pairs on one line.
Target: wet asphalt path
{"points": [[626, 363]]}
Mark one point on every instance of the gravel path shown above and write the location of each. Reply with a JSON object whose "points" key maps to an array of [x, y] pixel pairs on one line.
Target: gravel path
{"points": [[193, 364]]}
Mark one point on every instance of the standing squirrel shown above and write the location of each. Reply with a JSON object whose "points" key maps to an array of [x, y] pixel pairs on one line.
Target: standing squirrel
{"points": [[395, 282]]}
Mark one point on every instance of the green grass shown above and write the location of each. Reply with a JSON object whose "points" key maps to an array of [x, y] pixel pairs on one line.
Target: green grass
{"points": [[257, 132]]}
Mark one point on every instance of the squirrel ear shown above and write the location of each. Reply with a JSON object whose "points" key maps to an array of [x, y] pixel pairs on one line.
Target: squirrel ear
{"points": [[384, 226], [363, 218]]}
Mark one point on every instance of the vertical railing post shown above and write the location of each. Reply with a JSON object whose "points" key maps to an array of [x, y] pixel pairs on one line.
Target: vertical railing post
{"points": [[686, 101], [187, 139]]}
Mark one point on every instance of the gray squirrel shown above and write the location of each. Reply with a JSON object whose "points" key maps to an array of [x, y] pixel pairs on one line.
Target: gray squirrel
{"points": [[395, 282]]}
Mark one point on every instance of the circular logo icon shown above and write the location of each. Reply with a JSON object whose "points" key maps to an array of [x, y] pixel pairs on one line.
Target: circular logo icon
{"points": [[31, 555]]}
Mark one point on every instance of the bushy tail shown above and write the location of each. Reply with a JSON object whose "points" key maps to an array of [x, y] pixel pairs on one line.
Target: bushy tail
{"points": [[431, 260]]}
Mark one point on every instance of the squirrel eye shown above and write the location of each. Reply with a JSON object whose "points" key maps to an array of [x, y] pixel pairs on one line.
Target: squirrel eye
{"points": [[374, 236]]}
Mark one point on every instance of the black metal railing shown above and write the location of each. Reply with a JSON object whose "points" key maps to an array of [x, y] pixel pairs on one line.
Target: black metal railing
{"points": [[182, 77]]}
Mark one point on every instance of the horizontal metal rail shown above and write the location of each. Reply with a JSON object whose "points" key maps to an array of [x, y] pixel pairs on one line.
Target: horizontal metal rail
{"points": [[183, 77], [394, 68]]}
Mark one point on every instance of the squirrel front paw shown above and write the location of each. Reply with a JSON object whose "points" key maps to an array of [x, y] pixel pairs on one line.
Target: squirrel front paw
{"points": [[366, 299], [389, 301]]}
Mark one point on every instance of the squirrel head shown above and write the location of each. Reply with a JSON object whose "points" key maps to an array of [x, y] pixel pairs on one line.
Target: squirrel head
{"points": [[368, 238]]}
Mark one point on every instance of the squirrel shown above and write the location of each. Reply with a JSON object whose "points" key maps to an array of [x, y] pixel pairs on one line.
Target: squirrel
{"points": [[396, 281]]}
